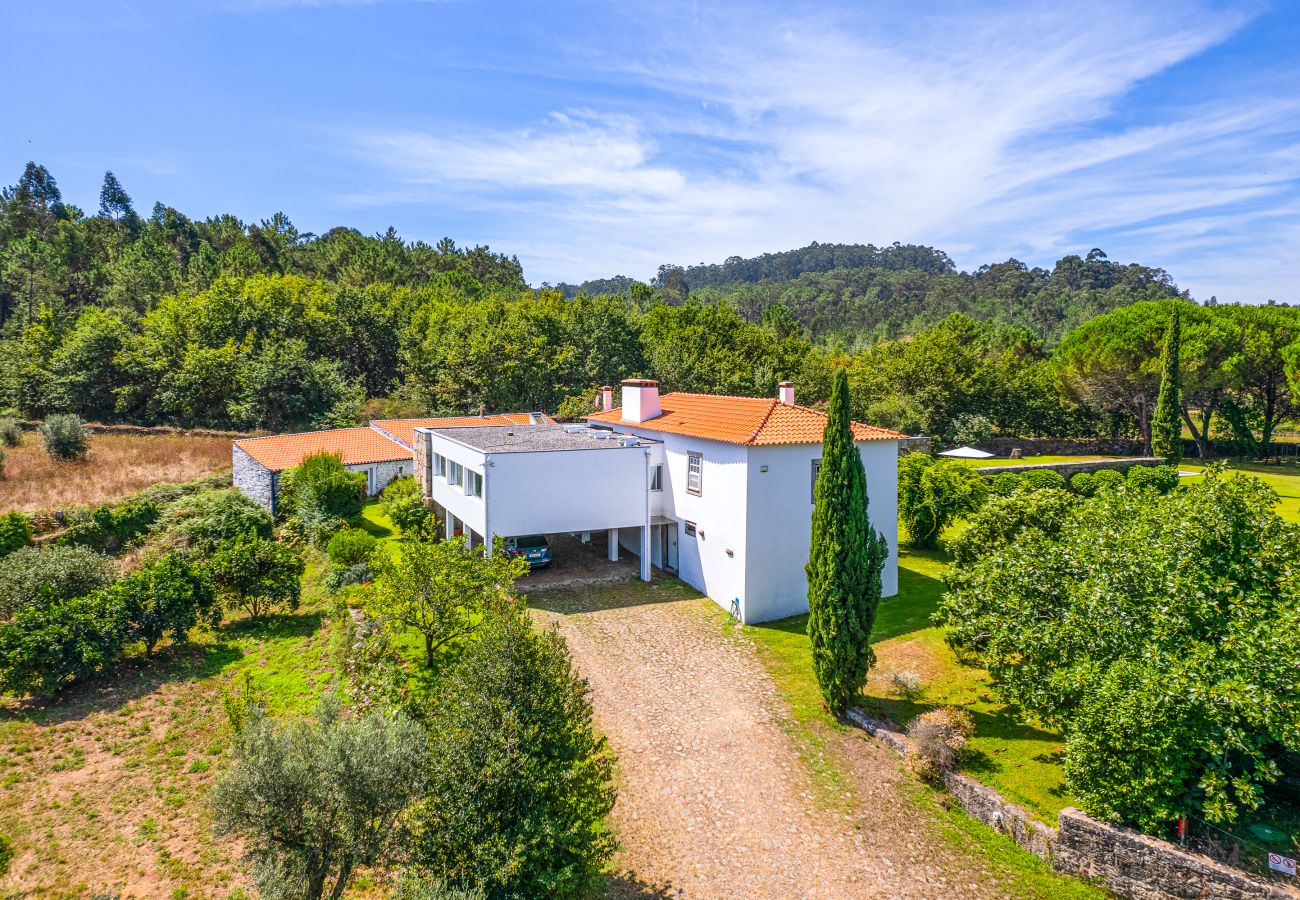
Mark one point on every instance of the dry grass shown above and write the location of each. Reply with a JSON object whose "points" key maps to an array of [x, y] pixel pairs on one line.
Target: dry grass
{"points": [[117, 465]]}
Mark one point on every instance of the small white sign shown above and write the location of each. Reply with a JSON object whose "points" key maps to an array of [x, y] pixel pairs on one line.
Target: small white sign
{"points": [[1283, 864]]}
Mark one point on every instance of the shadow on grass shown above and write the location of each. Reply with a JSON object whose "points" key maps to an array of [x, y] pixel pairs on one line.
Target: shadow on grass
{"points": [[275, 626], [373, 528], [1000, 725]]}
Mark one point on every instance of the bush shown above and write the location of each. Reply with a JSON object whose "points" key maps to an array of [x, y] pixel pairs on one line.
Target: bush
{"points": [[315, 801], [65, 437], [32, 577], [938, 738], [321, 488], [932, 493], [257, 575], [1084, 484], [1106, 480], [204, 521], [6, 855], [11, 433], [1159, 633], [970, 430], [338, 578], [1161, 479], [1004, 484], [166, 594], [521, 781], [906, 684], [15, 532], [350, 547], [1042, 479], [404, 504], [110, 529], [53, 643]]}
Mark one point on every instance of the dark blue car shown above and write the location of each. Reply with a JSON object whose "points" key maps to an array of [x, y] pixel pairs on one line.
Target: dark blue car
{"points": [[532, 547]]}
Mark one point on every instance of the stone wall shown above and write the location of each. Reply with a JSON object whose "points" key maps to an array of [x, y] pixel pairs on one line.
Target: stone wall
{"points": [[385, 472], [253, 479], [1145, 868], [1067, 469], [1129, 864], [1002, 446]]}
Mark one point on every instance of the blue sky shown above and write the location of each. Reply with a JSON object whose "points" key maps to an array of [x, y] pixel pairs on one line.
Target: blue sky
{"points": [[600, 138]]}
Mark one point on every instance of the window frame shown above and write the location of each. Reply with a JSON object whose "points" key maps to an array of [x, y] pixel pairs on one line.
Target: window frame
{"points": [[657, 477], [816, 470], [690, 528], [474, 484], [695, 472]]}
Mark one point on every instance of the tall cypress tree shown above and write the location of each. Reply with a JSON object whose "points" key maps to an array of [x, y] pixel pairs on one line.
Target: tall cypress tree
{"points": [[1167, 426], [845, 561]]}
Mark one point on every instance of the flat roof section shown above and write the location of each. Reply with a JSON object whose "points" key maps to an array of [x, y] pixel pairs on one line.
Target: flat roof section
{"points": [[535, 438]]}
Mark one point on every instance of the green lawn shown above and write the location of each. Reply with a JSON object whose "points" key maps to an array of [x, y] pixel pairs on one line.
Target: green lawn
{"points": [[374, 520], [1283, 478], [1021, 762], [1028, 460]]}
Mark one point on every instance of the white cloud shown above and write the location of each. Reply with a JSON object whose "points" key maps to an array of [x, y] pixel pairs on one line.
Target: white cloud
{"points": [[985, 134]]}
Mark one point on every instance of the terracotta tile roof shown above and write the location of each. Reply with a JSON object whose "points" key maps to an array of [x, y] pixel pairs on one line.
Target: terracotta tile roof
{"points": [[356, 445], [403, 430], [741, 420]]}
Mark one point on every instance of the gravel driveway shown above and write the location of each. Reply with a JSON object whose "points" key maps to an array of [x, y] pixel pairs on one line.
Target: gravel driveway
{"points": [[713, 798]]}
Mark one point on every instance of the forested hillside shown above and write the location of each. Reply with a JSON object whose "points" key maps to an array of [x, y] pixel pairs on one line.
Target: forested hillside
{"points": [[225, 324], [857, 294]]}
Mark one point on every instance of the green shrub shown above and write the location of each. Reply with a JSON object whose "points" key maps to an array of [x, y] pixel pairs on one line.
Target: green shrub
{"points": [[351, 546], [165, 595], [1161, 479], [1106, 480], [11, 433], [404, 504], [521, 781], [50, 644], [15, 532], [30, 576], [321, 488], [413, 887], [932, 493], [110, 529], [1004, 484], [256, 575], [1084, 484], [64, 436], [6, 855], [1042, 479], [204, 521]]}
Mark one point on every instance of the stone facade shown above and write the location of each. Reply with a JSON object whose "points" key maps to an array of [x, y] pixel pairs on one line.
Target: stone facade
{"points": [[1067, 469], [253, 479], [384, 472], [1130, 864]]}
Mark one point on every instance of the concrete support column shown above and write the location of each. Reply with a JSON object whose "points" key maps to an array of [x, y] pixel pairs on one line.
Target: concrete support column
{"points": [[487, 545], [645, 552], [451, 525], [613, 545]]}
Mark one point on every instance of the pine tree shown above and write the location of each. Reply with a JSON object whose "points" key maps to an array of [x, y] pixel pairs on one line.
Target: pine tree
{"points": [[1167, 426], [845, 561]]}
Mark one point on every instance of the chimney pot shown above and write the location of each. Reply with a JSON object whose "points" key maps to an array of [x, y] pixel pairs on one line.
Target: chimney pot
{"points": [[640, 400], [785, 392], [606, 398]]}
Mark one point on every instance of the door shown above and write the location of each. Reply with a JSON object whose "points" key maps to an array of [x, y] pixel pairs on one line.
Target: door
{"points": [[669, 543], [370, 480]]}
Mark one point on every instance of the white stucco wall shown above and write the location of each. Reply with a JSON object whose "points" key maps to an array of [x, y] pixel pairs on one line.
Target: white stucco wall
{"points": [[779, 523], [567, 490]]}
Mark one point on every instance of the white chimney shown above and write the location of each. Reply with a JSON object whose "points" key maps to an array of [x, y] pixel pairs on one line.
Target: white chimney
{"points": [[640, 400], [785, 392], [606, 398]]}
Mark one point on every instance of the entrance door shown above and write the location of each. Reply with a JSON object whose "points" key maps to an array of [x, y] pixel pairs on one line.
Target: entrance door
{"points": [[669, 544], [370, 480]]}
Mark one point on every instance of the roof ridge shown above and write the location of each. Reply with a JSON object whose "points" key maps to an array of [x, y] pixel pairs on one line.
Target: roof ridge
{"points": [[265, 437], [753, 435]]}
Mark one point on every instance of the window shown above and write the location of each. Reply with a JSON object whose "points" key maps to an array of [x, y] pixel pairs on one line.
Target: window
{"points": [[439, 465], [656, 478], [457, 475], [475, 485], [690, 529], [816, 468], [694, 472]]}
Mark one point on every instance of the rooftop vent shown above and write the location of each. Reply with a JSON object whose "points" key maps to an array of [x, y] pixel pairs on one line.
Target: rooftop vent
{"points": [[536, 418]]}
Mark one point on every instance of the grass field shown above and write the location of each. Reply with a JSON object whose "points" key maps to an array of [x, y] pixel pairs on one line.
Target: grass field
{"points": [[1028, 460], [117, 465], [104, 791], [1283, 478]]}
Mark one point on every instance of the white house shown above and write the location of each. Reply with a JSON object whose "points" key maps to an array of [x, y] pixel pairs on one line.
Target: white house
{"points": [[717, 489]]}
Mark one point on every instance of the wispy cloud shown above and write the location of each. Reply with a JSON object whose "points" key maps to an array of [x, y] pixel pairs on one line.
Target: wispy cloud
{"points": [[987, 134]]}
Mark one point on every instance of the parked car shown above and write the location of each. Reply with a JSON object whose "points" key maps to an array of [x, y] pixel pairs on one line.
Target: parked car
{"points": [[532, 547]]}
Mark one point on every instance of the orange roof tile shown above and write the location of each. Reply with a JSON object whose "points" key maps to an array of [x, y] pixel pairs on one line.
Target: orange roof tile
{"points": [[356, 445], [741, 420], [403, 430]]}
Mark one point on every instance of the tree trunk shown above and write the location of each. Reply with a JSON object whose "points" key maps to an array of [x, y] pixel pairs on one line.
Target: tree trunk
{"points": [[428, 651], [345, 872]]}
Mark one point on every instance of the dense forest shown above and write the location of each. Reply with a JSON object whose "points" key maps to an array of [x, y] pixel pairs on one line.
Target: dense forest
{"points": [[227, 324], [857, 294]]}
